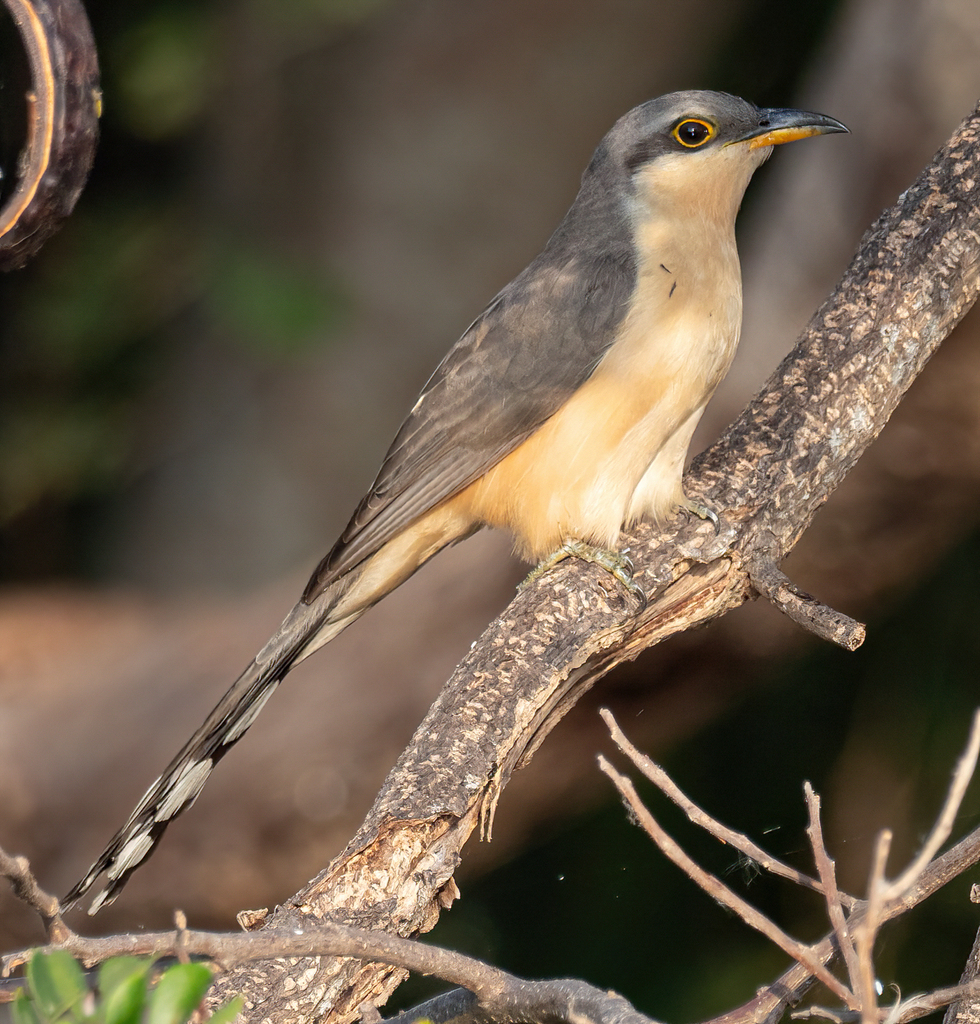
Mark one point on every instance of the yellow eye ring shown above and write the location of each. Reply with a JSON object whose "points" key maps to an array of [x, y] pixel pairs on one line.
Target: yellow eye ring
{"points": [[693, 132]]}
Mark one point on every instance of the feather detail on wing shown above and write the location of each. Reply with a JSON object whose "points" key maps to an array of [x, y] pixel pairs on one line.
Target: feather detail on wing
{"points": [[533, 346]]}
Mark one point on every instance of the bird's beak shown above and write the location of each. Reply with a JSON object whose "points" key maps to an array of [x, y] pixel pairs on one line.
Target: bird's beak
{"points": [[777, 126]]}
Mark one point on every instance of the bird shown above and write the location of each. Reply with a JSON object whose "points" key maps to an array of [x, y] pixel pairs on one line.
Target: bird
{"points": [[562, 414]]}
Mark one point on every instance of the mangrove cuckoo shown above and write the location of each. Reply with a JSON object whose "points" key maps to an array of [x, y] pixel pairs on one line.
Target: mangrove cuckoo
{"points": [[564, 412]]}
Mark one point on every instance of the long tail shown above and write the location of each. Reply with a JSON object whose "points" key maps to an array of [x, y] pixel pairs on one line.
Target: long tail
{"points": [[305, 628]]}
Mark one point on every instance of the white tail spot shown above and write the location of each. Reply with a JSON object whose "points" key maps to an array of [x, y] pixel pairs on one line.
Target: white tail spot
{"points": [[184, 789], [250, 715]]}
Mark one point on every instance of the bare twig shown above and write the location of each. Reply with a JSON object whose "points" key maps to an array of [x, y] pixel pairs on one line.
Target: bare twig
{"points": [[698, 816], [866, 929], [768, 1005], [928, 1002], [825, 1013], [180, 923], [962, 775], [18, 871], [966, 1010], [828, 880], [882, 893], [855, 935], [805, 610], [717, 889]]}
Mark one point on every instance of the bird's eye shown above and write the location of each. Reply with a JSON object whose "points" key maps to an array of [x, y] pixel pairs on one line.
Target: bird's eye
{"points": [[691, 132]]}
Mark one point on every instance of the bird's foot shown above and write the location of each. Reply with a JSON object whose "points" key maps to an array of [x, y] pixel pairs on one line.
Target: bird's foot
{"points": [[616, 563], [713, 546], [702, 512]]}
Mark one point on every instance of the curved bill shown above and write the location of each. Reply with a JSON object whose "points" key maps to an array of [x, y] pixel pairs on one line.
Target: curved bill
{"points": [[777, 126]]}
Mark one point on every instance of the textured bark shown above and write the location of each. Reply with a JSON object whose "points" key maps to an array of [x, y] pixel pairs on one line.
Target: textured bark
{"points": [[62, 125], [967, 1011], [914, 276]]}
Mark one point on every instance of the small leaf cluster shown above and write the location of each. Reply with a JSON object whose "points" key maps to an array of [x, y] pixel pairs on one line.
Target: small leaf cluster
{"points": [[58, 992]]}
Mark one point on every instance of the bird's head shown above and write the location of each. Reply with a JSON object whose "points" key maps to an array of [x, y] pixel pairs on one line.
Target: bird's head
{"points": [[697, 150]]}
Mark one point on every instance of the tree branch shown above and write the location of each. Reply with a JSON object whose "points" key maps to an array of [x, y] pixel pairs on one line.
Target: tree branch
{"points": [[487, 995], [736, 840], [18, 872], [62, 124], [916, 273], [495, 997], [720, 892], [966, 1008], [768, 1005], [852, 936]]}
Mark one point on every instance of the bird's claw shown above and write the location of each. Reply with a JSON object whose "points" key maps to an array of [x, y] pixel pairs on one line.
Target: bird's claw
{"points": [[702, 512], [616, 563]]}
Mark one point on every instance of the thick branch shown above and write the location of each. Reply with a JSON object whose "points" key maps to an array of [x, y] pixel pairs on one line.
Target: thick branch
{"points": [[913, 278]]}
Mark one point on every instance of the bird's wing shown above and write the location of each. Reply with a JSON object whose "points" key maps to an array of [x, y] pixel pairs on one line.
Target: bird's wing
{"points": [[526, 354]]}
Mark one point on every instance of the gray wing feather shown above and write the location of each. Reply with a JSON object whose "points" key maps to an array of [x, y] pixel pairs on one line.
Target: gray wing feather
{"points": [[527, 353]]}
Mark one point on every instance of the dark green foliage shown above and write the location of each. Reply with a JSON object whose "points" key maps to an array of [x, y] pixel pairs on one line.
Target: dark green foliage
{"points": [[127, 991]]}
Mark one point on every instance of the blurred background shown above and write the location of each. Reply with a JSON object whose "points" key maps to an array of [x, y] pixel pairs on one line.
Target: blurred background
{"points": [[296, 207]]}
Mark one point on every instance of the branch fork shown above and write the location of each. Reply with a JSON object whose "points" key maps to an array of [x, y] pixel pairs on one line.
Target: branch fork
{"points": [[489, 996]]}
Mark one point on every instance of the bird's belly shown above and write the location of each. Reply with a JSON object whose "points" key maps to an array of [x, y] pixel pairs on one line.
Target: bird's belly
{"points": [[615, 450]]}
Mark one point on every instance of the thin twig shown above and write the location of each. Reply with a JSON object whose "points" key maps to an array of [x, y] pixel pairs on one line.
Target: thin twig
{"points": [[962, 775], [817, 1012], [793, 984], [698, 816], [180, 923], [928, 1002], [828, 879], [804, 609], [18, 871], [720, 892]]}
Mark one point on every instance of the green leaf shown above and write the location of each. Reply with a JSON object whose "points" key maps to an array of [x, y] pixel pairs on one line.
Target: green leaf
{"points": [[178, 993], [23, 1009], [124, 1003], [56, 982], [119, 970], [228, 1012]]}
